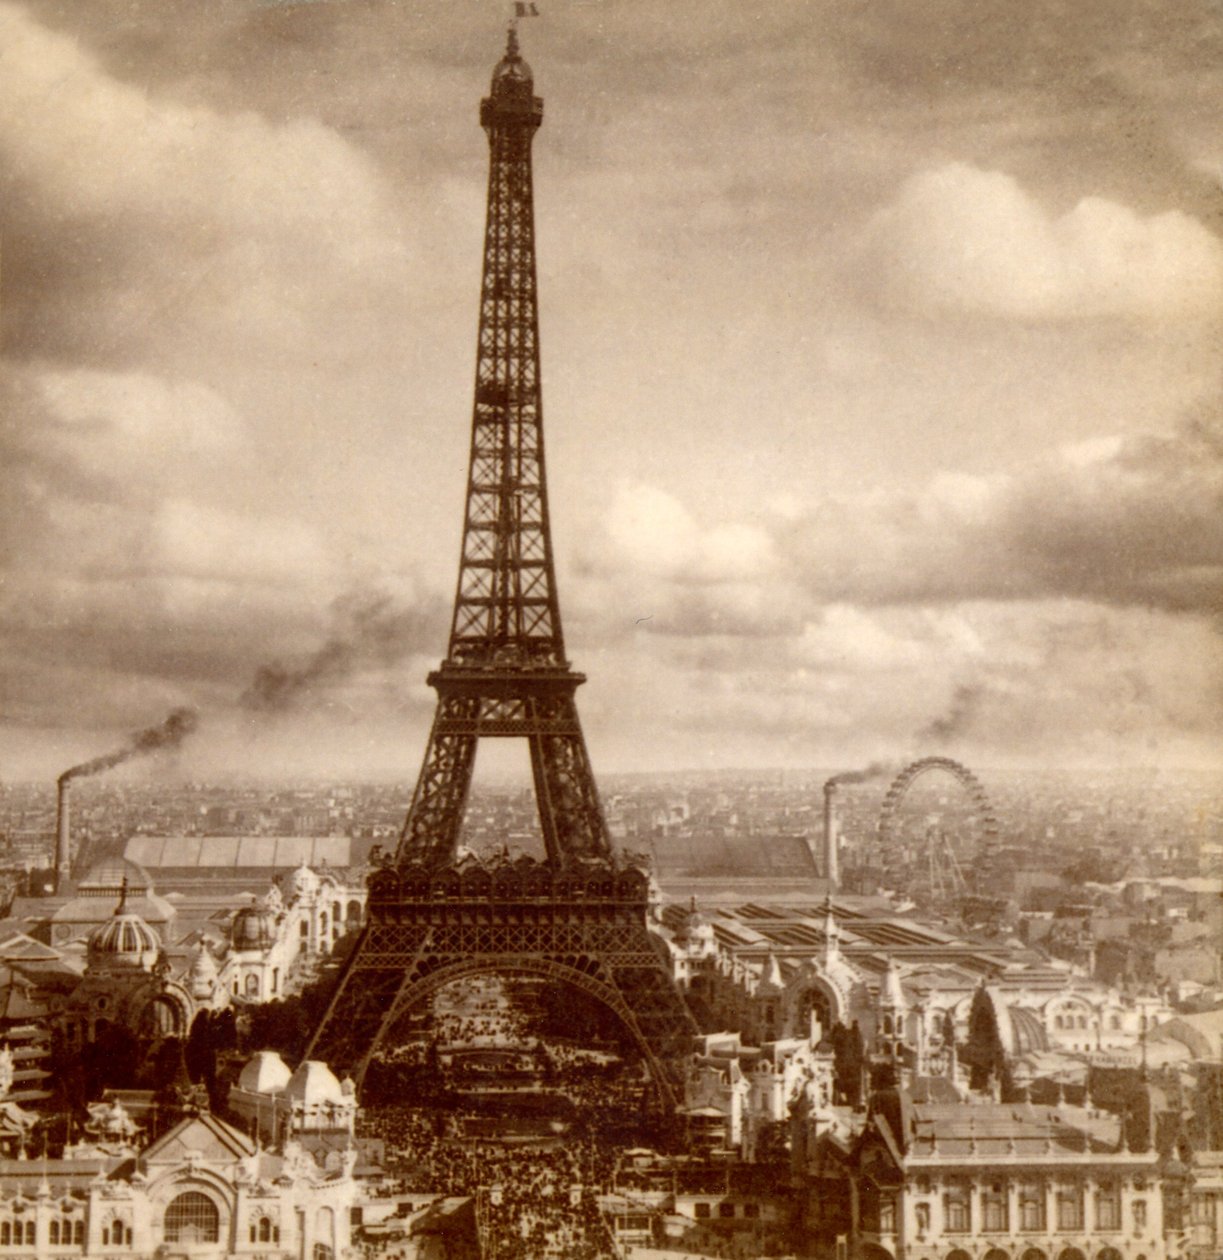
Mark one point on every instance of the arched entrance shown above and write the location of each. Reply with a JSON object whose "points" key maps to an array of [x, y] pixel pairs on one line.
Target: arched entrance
{"points": [[581, 973]]}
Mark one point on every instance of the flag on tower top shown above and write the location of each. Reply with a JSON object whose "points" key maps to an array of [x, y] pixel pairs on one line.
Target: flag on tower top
{"points": [[525, 10]]}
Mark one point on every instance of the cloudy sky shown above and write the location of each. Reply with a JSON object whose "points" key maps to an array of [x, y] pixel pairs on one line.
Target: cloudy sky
{"points": [[882, 375]]}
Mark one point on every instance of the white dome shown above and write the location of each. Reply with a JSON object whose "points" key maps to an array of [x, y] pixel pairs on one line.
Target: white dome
{"points": [[266, 1073], [314, 1084]]}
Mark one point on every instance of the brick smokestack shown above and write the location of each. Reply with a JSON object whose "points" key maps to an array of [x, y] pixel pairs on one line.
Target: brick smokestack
{"points": [[832, 839], [63, 833]]}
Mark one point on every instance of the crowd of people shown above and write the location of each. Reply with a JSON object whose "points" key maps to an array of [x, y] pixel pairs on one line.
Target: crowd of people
{"points": [[533, 1159]]}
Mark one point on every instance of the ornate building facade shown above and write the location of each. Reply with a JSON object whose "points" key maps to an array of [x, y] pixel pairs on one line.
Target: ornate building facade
{"points": [[203, 1189]]}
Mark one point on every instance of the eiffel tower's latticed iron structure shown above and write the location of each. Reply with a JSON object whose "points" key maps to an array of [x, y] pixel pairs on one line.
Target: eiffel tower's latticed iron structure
{"points": [[579, 917]]}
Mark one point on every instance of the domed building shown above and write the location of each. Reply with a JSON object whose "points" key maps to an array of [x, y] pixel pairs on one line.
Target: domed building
{"points": [[128, 982], [309, 1104], [275, 941]]}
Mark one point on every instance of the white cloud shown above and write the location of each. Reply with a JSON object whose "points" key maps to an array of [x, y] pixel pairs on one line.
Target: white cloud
{"points": [[963, 240], [652, 531]]}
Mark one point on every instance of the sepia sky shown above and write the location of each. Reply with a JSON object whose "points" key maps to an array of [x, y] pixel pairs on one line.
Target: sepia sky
{"points": [[881, 354]]}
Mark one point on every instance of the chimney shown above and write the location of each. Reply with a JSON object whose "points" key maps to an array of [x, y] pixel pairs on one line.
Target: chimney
{"points": [[63, 835], [832, 871]]}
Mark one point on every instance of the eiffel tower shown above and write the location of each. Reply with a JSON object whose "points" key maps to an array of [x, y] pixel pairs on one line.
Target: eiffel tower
{"points": [[578, 917]]}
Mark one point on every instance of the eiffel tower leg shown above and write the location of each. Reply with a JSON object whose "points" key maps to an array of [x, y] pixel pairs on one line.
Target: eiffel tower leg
{"points": [[569, 808], [369, 991], [431, 831]]}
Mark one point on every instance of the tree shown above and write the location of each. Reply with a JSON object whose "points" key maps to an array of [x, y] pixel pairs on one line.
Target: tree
{"points": [[847, 1057], [983, 1050]]}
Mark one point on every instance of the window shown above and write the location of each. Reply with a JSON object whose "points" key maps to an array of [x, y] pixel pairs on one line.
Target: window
{"points": [[6, 1233], [700, 1211], [263, 1230], [1108, 1253], [1140, 1214], [751, 1210], [1108, 1207], [923, 1218], [304, 930], [1032, 1207], [726, 1210], [322, 1251], [957, 1212], [252, 986], [1070, 1253], [1033, 1253], [78, 1233], [993, 1208], [29, 1234], [116, 1233], [192, 1217], [887, 1214], [1069, 1207]]}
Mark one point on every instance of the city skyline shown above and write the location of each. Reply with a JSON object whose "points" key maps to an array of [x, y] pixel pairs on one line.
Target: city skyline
{"points": [[880, 377]]}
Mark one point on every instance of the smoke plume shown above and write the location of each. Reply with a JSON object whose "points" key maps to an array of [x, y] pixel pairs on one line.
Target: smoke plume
{"points": [[170, 734], [876, 770], [373, 630], [960, 715]]}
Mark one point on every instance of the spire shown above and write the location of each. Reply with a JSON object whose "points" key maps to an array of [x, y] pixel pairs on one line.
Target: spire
{"points": [[771, 977], [832, 934], [891, 993], [121, 908]]}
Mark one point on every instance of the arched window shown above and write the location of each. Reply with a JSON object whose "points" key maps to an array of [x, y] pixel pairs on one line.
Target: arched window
{"points": [[6, 1233], [1070, 1253], [1115, 1022], [29, 1233], [1033, 1253], [192, 1218], [252, 986], [354, 911], [275, 978], [322, 1251], [336, 912], [958, 1254], [78, 1233], [322, 923], [1108, 1253], [53, 1239]]}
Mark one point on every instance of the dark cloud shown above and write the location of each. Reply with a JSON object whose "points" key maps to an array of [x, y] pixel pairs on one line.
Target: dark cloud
{"points": [[958, 720], [371, 630], [1141, 523]]}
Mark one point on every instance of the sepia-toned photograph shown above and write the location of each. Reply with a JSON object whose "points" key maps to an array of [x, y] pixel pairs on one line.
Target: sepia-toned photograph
{"points": [[780, 816]]}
